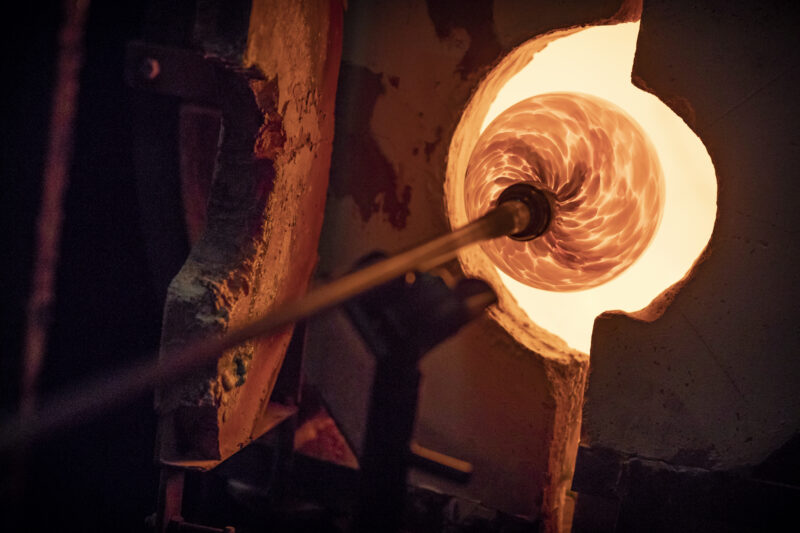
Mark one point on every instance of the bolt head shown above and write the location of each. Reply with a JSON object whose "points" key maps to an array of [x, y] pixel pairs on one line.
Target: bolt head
{"points": [[149, 68]]}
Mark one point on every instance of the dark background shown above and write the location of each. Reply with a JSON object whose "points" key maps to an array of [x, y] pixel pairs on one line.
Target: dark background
{"points": [[100, 476]]}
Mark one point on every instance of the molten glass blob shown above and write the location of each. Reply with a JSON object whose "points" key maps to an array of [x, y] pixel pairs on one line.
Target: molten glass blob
{"points": [[598, 168]]}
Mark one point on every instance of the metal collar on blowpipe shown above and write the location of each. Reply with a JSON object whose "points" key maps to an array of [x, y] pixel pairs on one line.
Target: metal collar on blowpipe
{"points": [[536, 207]]}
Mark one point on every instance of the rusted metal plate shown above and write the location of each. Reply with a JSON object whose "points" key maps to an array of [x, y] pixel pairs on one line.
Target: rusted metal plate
{"points": [[263, 218]]}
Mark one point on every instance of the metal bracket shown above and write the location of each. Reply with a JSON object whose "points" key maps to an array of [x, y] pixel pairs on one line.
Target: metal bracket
{"points": [[179, 72]]}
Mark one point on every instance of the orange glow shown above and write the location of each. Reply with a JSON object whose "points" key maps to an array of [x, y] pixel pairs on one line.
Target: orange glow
{"points": [[644, 251]]}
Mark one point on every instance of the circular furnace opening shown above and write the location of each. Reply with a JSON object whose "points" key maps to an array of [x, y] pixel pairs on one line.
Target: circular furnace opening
{"points": [[633, 188]]}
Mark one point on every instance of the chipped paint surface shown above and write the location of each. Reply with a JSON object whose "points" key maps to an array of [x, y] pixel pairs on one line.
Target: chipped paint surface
{"points": [[476, 19], [357, 155]]}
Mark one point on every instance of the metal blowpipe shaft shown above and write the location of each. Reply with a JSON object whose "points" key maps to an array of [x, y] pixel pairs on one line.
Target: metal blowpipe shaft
{"points": [[513, 216]]}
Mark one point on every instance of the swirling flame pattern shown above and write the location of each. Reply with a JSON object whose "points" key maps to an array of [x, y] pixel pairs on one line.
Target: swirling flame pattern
{"points": [[600, 172]]}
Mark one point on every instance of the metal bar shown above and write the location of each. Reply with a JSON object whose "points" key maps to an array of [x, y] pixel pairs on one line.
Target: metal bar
{"points": [[55, 183], [170, 497], [106, 392]]}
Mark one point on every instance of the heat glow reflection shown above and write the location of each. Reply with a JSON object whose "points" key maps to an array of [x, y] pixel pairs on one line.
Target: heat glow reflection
{"points": [[597, 61]]}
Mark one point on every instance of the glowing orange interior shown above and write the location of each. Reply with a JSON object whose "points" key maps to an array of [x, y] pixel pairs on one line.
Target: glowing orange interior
{"points": [[622, 236], [598, 168]]}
